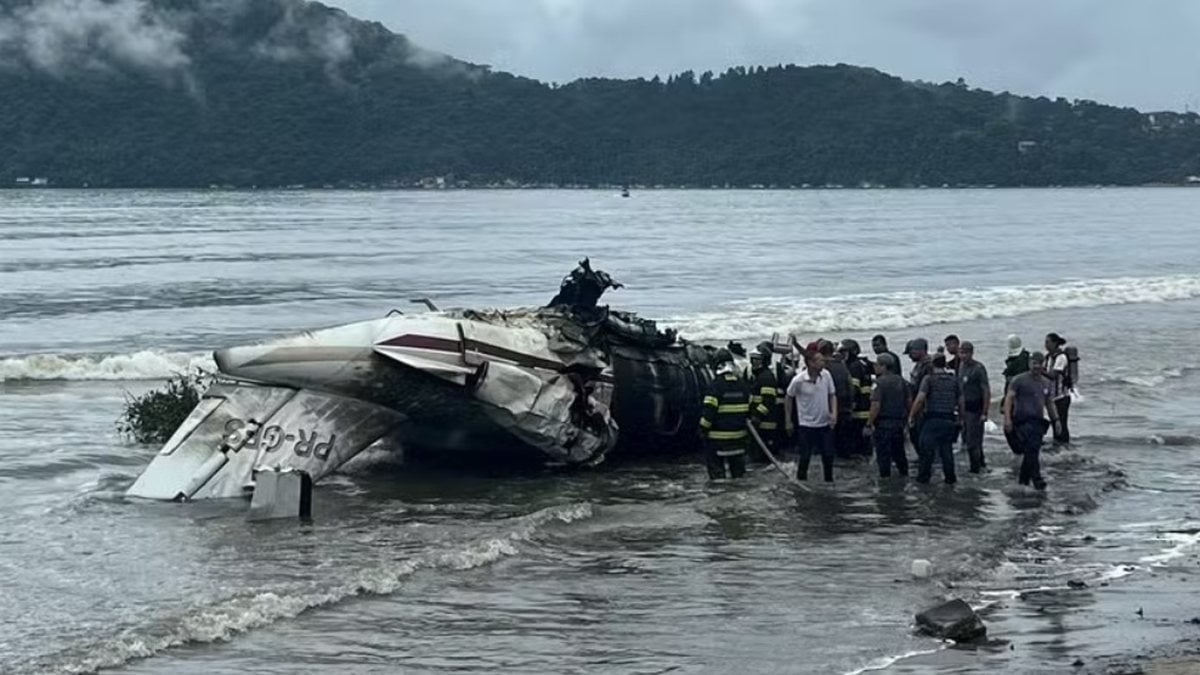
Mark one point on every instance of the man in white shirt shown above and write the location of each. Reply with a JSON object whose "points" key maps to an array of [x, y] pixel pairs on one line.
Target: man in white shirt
{"points": [[812, 412]]}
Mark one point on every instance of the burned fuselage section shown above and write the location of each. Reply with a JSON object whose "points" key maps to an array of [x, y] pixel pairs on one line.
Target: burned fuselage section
{"points": [[566, 384]]}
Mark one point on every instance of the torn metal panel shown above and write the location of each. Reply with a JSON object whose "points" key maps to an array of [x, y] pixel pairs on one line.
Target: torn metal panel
{"points": [[554, 415]]}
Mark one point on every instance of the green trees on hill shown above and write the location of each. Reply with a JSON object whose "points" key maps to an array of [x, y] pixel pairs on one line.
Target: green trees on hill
{"points": [[285, 92]]}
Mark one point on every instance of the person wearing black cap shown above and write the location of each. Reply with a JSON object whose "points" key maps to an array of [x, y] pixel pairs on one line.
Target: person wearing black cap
{"points": [[891, 401], [1028, 396], [940, 400], [918, 351], [977, 399]]}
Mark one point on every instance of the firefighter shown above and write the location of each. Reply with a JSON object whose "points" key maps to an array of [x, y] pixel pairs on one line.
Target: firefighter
{"points": [[764, 394], [785, 370], [723, 423], [861, 380]]}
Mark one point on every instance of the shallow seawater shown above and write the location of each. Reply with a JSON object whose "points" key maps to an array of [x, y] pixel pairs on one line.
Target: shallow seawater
{"points": [[634, 567]]}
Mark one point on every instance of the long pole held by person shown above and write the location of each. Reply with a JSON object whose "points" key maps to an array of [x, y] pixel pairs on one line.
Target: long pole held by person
{"points": [[775, 461]]}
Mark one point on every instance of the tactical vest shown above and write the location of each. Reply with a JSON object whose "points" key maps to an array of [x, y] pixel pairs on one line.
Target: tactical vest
{"points": [[942, 397]]}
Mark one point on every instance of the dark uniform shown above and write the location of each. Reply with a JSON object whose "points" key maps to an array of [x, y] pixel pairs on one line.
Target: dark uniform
{"points": [[895, 399], [921, 370], [1029, 392], [840, 373], [783, 377], [939, 428], [1016, 364], [723, 425], [764, 394], [861, 380]]}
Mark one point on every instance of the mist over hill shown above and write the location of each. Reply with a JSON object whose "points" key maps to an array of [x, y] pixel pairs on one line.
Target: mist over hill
{"points": [[166, 93]]}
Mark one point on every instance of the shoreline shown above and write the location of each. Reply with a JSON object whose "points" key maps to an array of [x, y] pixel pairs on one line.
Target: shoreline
{"points": [[363, 187], [1138, 622]]}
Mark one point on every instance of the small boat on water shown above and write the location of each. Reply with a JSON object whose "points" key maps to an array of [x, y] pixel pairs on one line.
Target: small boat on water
{"points": [[624, 192]]}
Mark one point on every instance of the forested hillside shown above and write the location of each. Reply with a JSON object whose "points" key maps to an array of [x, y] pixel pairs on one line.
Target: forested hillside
{"points": [[283, 92]]}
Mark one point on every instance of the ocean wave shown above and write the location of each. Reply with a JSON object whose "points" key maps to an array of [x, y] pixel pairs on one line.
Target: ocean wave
{"points": [[1166, 440], [911, 309], [885, 662], [142, 365], [223, 621], [1147, 380], [1183, 542], [756, 317]]}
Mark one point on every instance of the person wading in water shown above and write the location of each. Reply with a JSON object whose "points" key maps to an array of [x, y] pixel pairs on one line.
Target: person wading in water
{"points": [[1028, 396], [812, 412]]}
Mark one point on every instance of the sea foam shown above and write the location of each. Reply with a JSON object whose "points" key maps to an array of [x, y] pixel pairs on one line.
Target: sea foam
{"points": [[142, 365], [226, 619], [752, 318], [910, 309]]}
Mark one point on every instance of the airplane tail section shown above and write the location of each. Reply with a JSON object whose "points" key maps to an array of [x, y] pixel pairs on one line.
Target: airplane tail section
{"points": [[238, 429]]}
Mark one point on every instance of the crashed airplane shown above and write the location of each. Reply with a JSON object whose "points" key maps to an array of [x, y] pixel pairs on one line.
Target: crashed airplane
{"points": [[567, 384]]}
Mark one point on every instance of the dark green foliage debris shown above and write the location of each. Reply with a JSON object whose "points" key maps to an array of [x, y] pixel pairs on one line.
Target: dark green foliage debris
{"points": [[155, 415]]}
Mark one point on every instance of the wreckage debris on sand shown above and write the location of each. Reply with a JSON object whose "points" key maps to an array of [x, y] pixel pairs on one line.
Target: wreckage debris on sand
{"points": [[953, 620]]}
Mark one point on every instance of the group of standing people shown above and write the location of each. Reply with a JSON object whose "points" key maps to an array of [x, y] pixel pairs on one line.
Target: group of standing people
{"points": [[833, 402]]}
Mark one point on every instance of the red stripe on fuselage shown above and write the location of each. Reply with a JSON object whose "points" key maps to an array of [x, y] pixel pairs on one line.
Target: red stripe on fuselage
{"points": [[454, 346]]}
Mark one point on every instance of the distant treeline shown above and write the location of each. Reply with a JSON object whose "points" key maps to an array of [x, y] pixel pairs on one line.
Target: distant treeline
{"points": [[282, 92]]}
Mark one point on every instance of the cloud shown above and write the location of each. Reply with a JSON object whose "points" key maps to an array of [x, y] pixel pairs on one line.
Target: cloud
{"points": [[1125, 53], [300, 34], [62, 36]]}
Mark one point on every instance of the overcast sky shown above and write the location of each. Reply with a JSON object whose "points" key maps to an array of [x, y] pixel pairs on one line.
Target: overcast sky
{"points": [[1124, 52]]}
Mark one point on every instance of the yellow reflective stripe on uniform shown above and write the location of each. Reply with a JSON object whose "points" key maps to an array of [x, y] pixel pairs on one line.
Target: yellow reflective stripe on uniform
{"points": [[705, 424], [711, 400], [768, 391], [728, 435], [733, 408], [756, 399], [855, 382], [862, 414], [730, 453], [763, 410], [865, 389], [768, 426]]}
